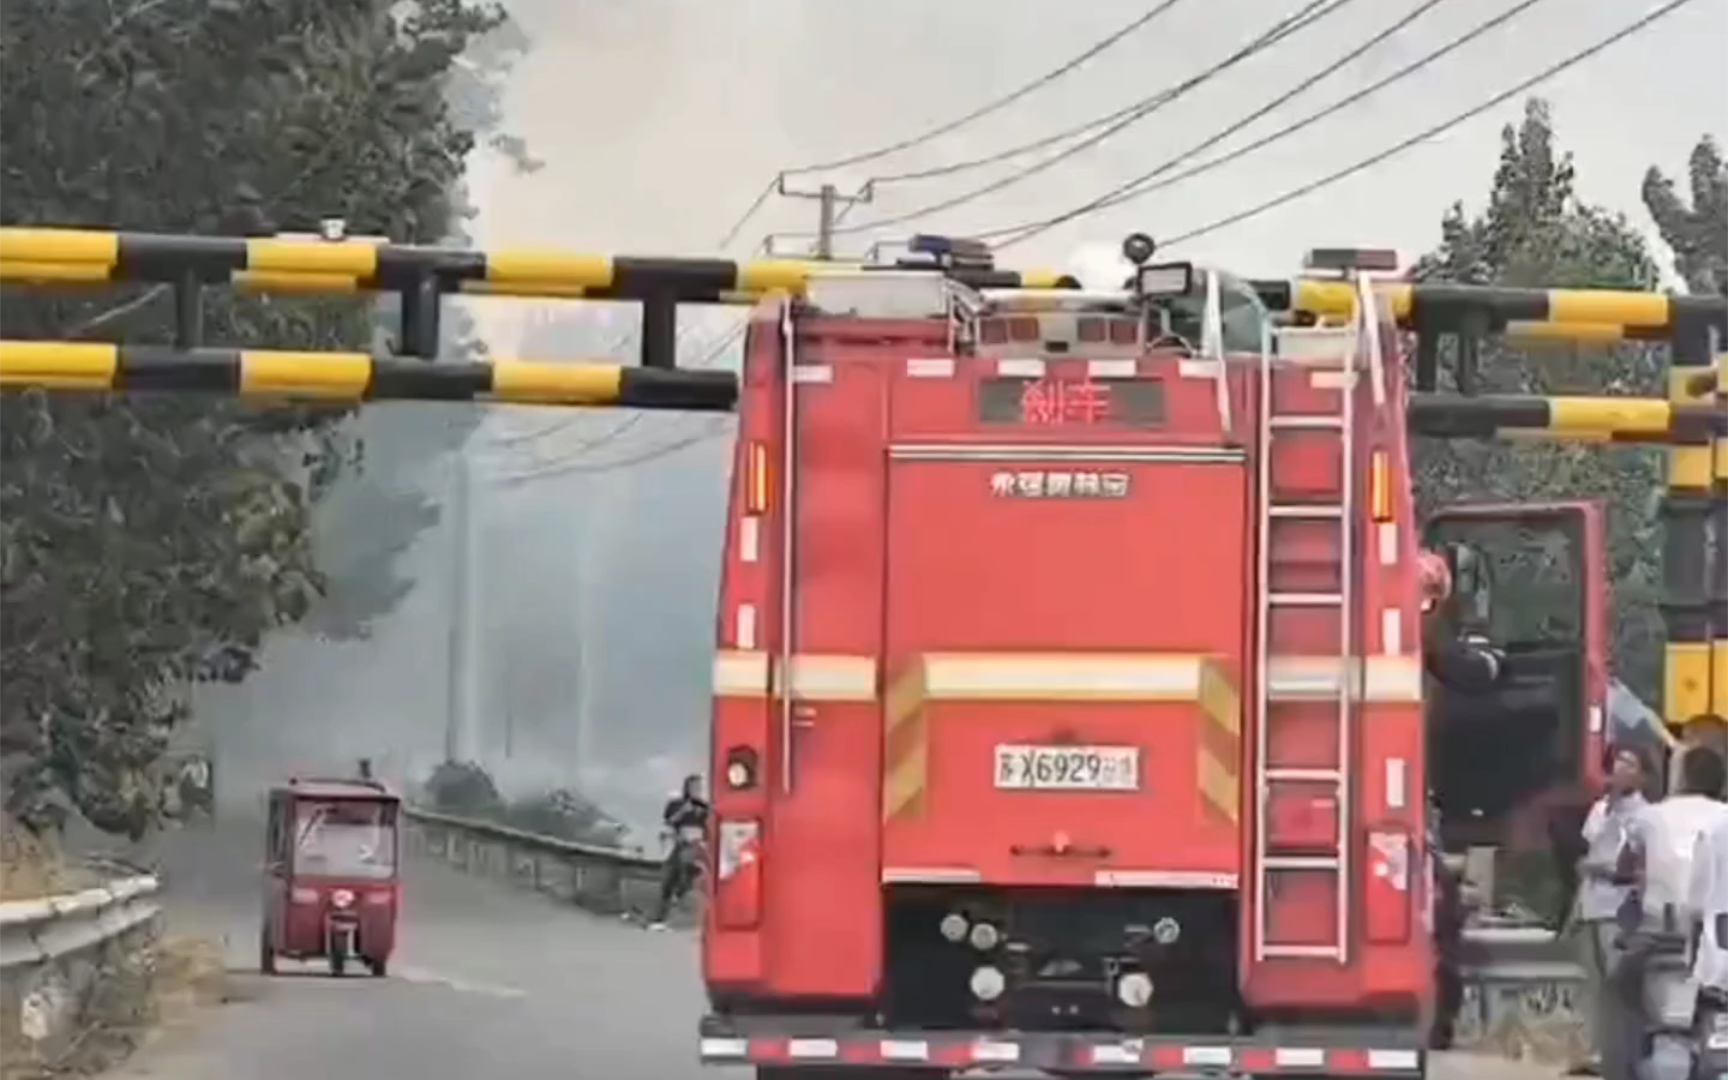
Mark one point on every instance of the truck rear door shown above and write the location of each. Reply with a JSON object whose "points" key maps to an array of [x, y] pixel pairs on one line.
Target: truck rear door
{"points": [[1064, 624]]}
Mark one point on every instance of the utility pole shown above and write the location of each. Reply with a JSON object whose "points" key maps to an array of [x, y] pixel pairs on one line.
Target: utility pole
{"points": [[462, 659], [828, 202]]}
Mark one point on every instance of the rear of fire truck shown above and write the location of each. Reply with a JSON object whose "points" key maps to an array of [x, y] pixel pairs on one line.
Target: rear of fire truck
{"points": [[1034, 738]]}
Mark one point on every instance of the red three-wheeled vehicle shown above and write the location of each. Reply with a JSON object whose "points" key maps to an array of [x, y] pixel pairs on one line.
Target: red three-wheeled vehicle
{"points": [[331, 885]]}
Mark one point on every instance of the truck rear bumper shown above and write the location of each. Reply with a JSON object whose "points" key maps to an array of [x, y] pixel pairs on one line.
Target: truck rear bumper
{"points": [[1094, 1052]]}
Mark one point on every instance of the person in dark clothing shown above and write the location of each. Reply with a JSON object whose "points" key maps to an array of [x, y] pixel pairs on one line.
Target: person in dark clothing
{"points": [[1454, 657], [686, 818], [1449, 915]]}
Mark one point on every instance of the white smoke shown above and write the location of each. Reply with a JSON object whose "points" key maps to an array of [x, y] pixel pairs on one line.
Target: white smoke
{"points": [[1100, 267]]}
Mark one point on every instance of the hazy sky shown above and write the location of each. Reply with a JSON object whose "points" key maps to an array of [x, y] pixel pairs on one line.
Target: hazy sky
{"points": [[660, 120]]}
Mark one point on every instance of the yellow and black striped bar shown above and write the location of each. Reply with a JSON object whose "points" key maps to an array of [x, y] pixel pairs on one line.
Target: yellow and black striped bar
{"points": [[1686, 511], [1570, 314], [1715, 389], [338, 376], [1601, 419], [317, 265]]}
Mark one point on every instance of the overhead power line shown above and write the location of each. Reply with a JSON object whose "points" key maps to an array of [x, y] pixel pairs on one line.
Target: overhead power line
{"points": [[996, 105], [716, 428], [1080, 129], [989, 107], [1309, 14], [1148, 182], [1438, 129]]}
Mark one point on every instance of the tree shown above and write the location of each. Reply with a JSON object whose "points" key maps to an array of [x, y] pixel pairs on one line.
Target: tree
{"points": [[1534, 231], [146, 542], [1697, 234], [377, 512]]}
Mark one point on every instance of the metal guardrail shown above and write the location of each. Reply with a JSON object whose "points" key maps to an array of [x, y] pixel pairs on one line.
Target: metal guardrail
{"points": [[602, 879], [34, 932]]}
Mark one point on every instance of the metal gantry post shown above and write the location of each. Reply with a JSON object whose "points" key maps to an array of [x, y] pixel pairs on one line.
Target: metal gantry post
{"points": [[1686, 573]]}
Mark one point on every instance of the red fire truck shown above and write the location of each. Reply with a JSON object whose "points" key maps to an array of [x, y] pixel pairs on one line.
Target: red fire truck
{"points": [[1069, 706]]}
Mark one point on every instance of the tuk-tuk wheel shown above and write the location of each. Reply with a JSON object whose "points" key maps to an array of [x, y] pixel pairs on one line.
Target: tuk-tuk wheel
{"points": [[338, 964], [380, 968], [266, 958]]}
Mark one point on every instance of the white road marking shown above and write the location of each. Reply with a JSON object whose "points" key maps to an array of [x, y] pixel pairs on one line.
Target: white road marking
{"points": [[461, 986]]}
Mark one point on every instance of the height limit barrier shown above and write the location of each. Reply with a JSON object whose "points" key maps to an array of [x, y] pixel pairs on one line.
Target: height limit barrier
{"points": [[1695, 328], [1691, 420], [421, 276]]}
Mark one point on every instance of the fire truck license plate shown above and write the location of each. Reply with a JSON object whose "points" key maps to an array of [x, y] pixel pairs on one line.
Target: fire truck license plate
{"points": [[1068, 768]]}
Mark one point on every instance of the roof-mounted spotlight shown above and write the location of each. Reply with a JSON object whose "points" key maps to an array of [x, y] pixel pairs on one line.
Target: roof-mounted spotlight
{"points": [[1138, 247]]}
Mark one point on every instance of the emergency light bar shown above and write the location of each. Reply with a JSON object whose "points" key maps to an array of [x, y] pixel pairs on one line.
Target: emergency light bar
{"points": [[1381, 259], [952, 251]]}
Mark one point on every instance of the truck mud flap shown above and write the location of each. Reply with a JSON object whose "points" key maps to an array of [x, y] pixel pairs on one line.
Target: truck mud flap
{"points": [[1060, 1051]]}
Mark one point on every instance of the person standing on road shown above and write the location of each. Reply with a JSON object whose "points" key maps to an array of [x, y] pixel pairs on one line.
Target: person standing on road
{"points": [[1663, 844], [686, 818], [1602, 893]]}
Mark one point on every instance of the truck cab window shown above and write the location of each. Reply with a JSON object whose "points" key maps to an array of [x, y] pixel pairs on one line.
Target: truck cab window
{"points": [[1243, 315]]}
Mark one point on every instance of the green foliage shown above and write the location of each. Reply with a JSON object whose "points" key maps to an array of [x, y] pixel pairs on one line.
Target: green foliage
{"points": [[1697, 234], [1535, 232], [466, 790], [149, 542], [375, 514]]}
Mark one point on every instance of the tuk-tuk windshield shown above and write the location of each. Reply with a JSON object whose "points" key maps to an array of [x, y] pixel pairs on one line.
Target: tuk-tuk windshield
{"points": [[345, 838]]}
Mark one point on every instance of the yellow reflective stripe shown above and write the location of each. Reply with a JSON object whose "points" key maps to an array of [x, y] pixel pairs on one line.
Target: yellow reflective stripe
{"points": [[1381, 678], [1220, 784], [305, 374], [1622, 415], [68, 271], [279, 281], [741, 674], [815, 676], [344, 258], [823, 677], [59, 365], [570, 384], [549, 268], [1607, 306], [1062, 677], [51, 246], [766, 275]]}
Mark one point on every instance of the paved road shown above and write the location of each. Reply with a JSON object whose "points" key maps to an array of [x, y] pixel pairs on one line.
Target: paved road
{"points": [[489, 982]]}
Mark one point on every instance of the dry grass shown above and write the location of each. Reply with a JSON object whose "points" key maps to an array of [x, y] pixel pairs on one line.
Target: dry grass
{"points": [[31, 867], [191, 974], [1557, 1038], [156, 991]]}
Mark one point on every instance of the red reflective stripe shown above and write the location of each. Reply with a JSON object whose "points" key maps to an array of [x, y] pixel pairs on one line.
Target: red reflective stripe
{"points": [[1256, 1059], [1347, 1061], [768, 1050], [1165, 1057]]}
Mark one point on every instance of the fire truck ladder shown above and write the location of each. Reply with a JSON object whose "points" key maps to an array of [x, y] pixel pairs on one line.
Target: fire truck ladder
{"points": [[1346, 350]]}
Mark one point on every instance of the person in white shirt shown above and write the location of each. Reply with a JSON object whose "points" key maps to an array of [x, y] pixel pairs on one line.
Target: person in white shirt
{"points": [[1708, 897], [1664, 840], [1601, 894]]}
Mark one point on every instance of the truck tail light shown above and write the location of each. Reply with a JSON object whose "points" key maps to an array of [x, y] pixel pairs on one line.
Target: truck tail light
{"points": [[738, 875], [1387, 892], [756, 493]]}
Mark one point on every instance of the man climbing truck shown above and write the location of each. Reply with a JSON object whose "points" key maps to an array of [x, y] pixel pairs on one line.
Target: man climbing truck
{"points": [[1034, 723]]}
